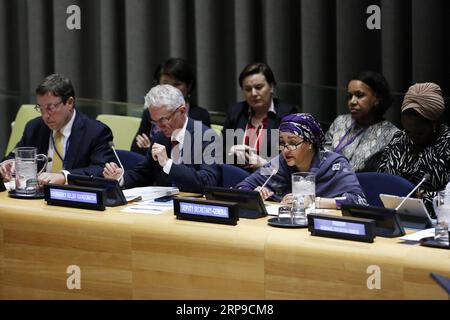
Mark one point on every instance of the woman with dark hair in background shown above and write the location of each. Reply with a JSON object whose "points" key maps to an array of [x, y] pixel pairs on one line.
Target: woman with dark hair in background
{"points": [[423, 147], [256, 117], [362, 135], [178, 73]]}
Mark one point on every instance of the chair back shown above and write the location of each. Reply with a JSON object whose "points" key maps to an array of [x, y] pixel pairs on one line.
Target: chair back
{"points": [[124, 129], [129, 159], [374, 183], [25, 113], [232, 175]]}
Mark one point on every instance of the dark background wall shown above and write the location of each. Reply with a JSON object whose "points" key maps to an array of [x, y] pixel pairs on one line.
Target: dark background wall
{"points": [[313, 46]]}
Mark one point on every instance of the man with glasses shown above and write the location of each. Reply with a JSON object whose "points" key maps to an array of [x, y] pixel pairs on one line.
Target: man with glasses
{"points": [[176, 156], [76, 143]]}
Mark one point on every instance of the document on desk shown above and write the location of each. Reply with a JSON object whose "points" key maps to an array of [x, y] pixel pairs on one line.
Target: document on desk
{"points": [[150, 193], [419, 235], [272, 209], [150, 207]]}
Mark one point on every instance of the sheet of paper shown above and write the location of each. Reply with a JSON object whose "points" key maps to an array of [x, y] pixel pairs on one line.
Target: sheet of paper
{"points": [[150, 207], [272, 209], [417, 236], [150, 193]]}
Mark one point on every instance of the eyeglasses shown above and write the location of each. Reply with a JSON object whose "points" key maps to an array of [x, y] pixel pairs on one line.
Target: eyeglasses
{"points": [[164, 120], [50, 108], [290, 147]]}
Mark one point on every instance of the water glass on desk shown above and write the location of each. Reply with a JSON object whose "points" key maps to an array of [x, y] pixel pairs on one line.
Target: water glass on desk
{"points": [[442, 211], [303, 194]]}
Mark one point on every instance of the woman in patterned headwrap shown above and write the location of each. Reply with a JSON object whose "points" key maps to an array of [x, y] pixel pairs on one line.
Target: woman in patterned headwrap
{"points": [[424, 144], [301, 139]]}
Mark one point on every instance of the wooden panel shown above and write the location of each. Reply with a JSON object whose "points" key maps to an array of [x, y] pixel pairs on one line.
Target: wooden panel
{"points": [[39, 246], [189, 260], [137, 256], [299, 266]]}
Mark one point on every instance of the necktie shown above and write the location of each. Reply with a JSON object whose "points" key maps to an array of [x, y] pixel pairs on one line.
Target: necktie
{"points": [[57, 162], [175, 152]]}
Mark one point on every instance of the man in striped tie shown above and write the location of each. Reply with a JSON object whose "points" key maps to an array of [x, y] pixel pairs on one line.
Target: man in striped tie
{"points": [[75, 143]]}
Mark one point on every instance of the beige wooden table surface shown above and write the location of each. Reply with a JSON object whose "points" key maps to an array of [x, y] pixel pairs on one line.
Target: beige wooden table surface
{"points": [[141, 256]]}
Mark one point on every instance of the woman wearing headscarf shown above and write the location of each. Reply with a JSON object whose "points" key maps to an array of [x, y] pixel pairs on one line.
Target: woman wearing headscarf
{"points": [[424, 144], [362, 135], [301, 139]]}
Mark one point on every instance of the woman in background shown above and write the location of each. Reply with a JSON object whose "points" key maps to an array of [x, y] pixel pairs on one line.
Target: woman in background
{"points": [[256, 116], [362, 135], [423, 147], [178, 73]]}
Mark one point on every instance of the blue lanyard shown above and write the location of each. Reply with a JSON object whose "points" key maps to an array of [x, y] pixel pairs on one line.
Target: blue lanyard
{"points": [[56, 150], [339, 148]]}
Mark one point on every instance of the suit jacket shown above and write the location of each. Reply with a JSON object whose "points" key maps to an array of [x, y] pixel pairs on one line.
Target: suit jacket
{"points": [[195, 113], [238, 117], [88, 149], [189, 177]]}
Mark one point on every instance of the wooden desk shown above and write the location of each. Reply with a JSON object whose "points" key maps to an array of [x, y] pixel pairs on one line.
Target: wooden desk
{"points": [[137, 256]]}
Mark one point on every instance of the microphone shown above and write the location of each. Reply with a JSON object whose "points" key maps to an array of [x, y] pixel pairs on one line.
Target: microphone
{"points": [[425, 178], [111, 144], [273, 172]]}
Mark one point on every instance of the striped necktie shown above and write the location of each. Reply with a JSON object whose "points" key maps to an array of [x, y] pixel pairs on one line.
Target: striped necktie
{"points": [[57, 165]]}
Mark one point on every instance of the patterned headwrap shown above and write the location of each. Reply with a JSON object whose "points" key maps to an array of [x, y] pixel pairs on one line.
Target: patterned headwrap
{"points": [[426, 99], [303, 125]]}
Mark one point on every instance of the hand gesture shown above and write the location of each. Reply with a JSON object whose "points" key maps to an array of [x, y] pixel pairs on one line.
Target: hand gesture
{"points": [[143, 141], [159, 154], [287, 199], [53, 178], [6, 169], [264, 192], [112, 171]]}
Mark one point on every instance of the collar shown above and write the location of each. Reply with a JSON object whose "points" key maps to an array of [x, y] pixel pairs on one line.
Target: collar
{"points": [[271, 109], [67, 129], [178, 134]]}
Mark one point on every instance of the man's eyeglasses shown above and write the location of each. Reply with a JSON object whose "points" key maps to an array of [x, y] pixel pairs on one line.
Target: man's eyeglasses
{"points": [[290, 147], [50, 108], [164, 120]]}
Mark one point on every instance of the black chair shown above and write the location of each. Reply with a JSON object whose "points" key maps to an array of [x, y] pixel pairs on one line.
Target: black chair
{"points": [[232, 175], [129, 159], [374, 183]]}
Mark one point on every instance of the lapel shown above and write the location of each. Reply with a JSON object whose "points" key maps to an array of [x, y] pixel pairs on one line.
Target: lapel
{"points": [[75, 140], [43, 145]]}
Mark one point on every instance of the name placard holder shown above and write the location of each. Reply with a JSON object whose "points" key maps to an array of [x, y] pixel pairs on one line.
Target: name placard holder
{"points": [[221, 212], [75, 196], [348, 228]]}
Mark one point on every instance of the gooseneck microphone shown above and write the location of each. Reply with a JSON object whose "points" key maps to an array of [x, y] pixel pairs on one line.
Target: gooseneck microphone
{"points": [[111, 144], [425, 178]]}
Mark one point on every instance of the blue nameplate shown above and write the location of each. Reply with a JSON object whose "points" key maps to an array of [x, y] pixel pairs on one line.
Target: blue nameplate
{"points": [[349, 228], [75, 196], [222, 212]]}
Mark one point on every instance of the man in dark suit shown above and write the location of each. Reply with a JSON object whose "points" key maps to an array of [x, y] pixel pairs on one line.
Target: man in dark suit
{"points": [[76, 143], [178, 73], [174, 159]]}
